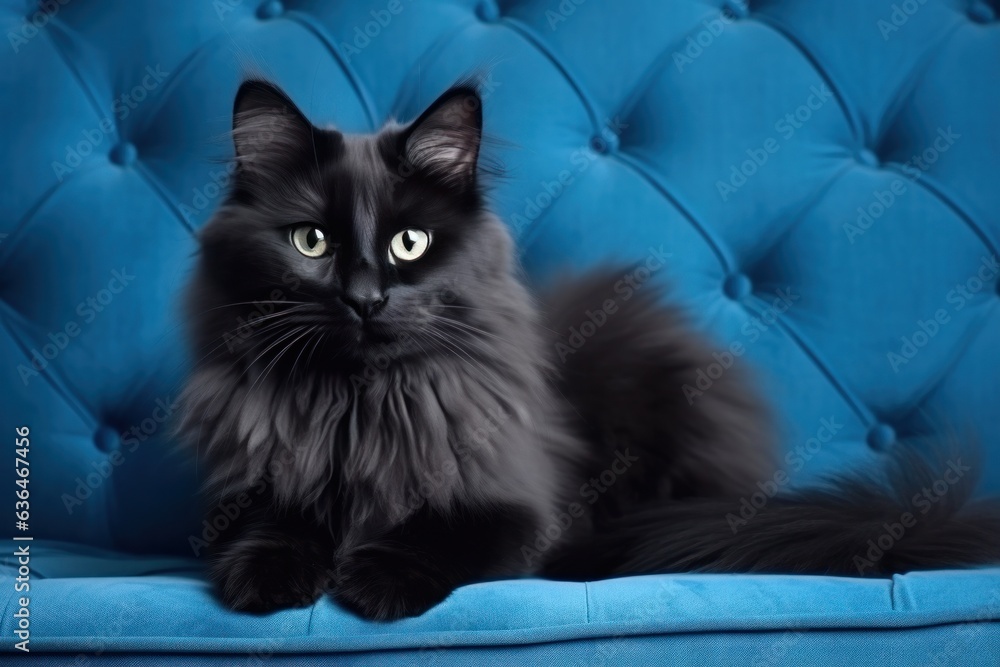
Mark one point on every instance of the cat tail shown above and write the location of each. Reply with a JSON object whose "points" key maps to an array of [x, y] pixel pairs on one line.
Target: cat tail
{"points": [[922, 517], [646, 388]]}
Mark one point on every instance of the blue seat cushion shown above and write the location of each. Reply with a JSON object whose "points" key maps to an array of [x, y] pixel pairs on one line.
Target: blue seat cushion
{"points": [[96, 601]]}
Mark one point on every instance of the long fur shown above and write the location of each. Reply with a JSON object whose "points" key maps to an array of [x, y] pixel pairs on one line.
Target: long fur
{"points": [[852, 526], [457, 430]]}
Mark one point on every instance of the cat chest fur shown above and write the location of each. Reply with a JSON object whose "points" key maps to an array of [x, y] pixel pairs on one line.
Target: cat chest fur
{"points": [[384, 444]]}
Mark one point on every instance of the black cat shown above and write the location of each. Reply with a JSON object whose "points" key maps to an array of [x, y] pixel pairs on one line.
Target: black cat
{"points": [[404, 418]]}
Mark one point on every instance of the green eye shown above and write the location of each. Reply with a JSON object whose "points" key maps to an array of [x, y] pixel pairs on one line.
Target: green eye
{"points": [[310, 241], [409, 245]]}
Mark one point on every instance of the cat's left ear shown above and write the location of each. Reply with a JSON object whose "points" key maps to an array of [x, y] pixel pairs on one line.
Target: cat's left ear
{"points": [[444, 141]]}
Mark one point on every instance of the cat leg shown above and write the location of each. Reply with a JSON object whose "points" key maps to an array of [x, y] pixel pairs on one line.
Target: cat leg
{"points": [[267, 559], [406, 570]]}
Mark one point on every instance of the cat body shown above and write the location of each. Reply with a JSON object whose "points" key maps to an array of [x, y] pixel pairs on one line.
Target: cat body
{"points": [[407, 418]]}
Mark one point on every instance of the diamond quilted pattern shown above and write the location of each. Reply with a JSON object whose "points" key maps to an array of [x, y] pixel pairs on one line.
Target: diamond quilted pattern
{"points": [[819, 176]]}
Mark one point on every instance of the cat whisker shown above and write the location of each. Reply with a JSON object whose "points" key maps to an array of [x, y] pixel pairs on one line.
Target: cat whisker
{"points": [[279, 320], [268, 329], [257, 302], [464, 354], [288, 312], [297, 305], [281, 336], [295, 364], [486, 310], [267, 369], [270, 347], [469, 327], [463, 333], [319, 341]]}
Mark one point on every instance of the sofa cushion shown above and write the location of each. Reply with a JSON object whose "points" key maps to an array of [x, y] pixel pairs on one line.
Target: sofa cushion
{"points": [[92, 601]]}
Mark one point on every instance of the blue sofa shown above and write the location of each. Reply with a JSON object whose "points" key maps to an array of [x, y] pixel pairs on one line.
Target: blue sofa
{"points": [[822, 174]]}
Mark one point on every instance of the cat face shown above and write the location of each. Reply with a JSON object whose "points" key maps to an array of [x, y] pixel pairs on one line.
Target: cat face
{"points": [[362, 241]]}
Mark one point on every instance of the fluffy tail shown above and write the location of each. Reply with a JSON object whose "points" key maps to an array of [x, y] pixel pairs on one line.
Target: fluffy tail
{"points": [[630, 364], [924, 518]]}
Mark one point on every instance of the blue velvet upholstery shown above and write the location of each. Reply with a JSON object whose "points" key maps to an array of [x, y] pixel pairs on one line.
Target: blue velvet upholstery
{"points": [[822, 174]]}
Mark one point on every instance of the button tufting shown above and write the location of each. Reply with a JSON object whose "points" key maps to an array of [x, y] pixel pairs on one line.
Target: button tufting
{"points": [[866, 156], [737, 287], [881, 436], [488, 11], [270, 9], [980, 12], [605, 143], [107, 439], [738, 9], [124, 154]]}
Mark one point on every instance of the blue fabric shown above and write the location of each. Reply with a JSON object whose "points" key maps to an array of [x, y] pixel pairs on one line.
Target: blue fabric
{"points": [[162, 605], [823, 176]]}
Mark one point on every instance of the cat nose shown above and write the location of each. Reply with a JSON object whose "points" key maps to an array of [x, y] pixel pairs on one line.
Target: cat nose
{"points": [[365, 301]]}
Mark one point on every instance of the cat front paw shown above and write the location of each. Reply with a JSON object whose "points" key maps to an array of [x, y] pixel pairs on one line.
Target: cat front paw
{"points": [[385, 582], [260, 575]]}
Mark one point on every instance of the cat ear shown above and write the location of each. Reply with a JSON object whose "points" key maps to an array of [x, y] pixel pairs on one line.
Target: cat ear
{"points": [[266, 124], [444, 141]]}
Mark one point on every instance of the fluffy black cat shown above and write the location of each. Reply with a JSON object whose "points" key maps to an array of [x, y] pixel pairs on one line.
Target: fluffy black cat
{"points": [[385, 412]]}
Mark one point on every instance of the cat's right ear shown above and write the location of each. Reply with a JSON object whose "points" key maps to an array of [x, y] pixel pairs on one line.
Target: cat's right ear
{"points": [[267, 125]]}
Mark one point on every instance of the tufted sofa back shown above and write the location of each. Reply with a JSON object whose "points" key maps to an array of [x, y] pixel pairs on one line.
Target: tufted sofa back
{"points": [[820, 176]]}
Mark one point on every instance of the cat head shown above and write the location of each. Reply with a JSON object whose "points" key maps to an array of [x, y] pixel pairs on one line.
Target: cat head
{"points": [[361, 241]]}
